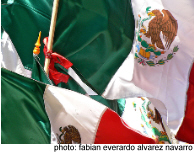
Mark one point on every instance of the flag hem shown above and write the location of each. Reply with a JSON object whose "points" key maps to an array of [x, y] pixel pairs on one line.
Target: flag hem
{"points": [[98, 123]]}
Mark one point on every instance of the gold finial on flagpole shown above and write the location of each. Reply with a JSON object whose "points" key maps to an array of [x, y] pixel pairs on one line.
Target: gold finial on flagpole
{"points": [[37, 45]]}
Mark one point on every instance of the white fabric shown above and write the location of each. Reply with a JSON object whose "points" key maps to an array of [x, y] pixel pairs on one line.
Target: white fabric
{"points": [[136, 116], [167, 83], [121, 85], [9, 57], [160, 107], [65, 107], [88, 90], [131, 116]]}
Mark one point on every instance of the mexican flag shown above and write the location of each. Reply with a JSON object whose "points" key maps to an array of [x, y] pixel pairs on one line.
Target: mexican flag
{"points": [[33, 111], [141, 114], [96, 36], [11, 61], [158, 71], [161, 59]]}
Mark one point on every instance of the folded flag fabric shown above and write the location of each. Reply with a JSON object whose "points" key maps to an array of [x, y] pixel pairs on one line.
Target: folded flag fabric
{"points": [[74, 118], [96, 36], [112, 104], [11, 61], [71, 84], [121, 84], [78, 119], [141, 114], [23, 116], [163, 55], [38, 72], [10, 58]]}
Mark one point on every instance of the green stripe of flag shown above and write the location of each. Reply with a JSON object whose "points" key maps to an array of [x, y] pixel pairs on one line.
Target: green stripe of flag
{"points": [[23, 116], [96, 36]]}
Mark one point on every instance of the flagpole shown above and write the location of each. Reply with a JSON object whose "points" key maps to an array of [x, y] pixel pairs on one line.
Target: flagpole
{"points": [[51, 33]]}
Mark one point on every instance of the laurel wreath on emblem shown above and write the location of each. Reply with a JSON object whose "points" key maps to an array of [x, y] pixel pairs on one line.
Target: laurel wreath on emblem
{"points": [[146, 53], [69, 135], [160, 62]]}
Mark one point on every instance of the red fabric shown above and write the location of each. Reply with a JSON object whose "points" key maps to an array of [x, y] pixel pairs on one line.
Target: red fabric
{"points": [[58, 77], [54, 75], [47, 52], [186, 131], [112, 130]]}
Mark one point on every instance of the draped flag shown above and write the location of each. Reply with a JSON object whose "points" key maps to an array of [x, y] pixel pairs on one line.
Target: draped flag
{"points": [[11, 61], [164, 53], [140, 113], [96, 36], [23, 116], [161, 59], [72, 117], [78, 119]]}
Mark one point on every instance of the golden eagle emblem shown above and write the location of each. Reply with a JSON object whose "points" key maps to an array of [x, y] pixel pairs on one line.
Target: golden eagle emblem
{"points": [[164, 23], [161, 30], [69, 135]]}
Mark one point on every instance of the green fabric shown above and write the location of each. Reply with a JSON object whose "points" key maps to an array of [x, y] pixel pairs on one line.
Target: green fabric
{"points": [[23, 116], [121, 106], [73, 85], [95, 35], [112, 104], [38, 71], [2, 30]]}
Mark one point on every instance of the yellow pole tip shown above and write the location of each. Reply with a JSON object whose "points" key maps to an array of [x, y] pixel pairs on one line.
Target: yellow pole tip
{"points": [[38, 40], [37, 45]]}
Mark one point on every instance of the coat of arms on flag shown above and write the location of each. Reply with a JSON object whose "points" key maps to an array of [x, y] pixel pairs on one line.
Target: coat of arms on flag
{"points": [[153, 44], [149, 90], [69, 134]]}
